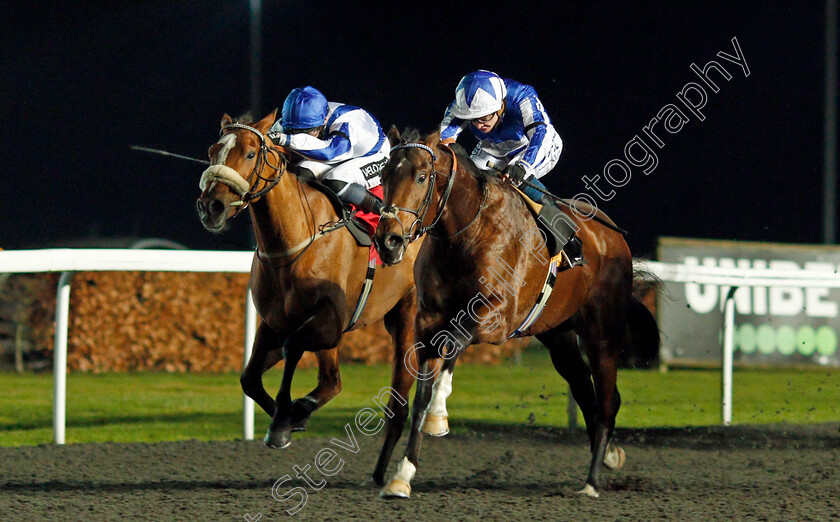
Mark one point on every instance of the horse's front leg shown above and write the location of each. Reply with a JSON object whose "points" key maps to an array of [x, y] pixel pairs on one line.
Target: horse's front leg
{"points": [[399, 322], [435, 421], [426, 369], [279, 433], [319, 332], [400, 484], [265, 354], [329, 385]]}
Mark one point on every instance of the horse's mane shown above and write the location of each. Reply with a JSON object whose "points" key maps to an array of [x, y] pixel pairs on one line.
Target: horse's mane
{"points": [[465, 160], [245, 119]]}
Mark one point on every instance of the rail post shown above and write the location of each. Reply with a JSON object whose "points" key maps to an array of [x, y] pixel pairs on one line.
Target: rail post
{"points": [[728, 354], [62, 322], [250, 333]]}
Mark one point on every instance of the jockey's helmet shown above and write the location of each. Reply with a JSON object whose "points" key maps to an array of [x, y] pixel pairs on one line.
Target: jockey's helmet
{"points": [[478, 94], [304, 108]]}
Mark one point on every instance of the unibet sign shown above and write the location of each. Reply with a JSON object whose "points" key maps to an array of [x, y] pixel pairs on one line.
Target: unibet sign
{"points": [[774, 324]]}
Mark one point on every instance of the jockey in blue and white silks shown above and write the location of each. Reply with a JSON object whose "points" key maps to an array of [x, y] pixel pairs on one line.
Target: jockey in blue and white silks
{"points": [[515, 135], [339, 144]]}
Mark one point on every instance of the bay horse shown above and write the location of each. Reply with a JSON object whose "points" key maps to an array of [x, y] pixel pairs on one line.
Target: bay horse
{"points": [[306, 282], [479, 275]]}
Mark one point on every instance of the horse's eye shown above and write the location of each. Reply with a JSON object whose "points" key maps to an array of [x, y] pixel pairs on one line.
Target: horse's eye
{"points": [[421, 179], [251, 155]]}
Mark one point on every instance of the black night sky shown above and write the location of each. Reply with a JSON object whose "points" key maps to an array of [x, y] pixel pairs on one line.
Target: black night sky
{"points": [[80, 84]]}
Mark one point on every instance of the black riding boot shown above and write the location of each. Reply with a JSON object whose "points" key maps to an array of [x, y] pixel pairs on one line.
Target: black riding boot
{"points": [[355, 194], [573, 247], [371, 203]]}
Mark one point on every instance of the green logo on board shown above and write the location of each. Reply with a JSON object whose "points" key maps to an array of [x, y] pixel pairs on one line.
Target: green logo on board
{"points": [[786, 340]]}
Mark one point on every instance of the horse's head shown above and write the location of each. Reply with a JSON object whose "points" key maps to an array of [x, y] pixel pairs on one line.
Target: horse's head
{"points": [[416, 182], [243, 166]]}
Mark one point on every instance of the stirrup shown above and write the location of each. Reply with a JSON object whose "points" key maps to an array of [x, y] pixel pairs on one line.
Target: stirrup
{"points": [[570, 261]]}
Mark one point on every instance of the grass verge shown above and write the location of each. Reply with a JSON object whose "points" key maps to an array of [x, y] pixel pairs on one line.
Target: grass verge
{"points": [[151, 407]]}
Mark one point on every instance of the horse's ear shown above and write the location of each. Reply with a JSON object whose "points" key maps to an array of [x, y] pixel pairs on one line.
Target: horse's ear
{"points": [[394, 135], [226, 120], [264, 124]]}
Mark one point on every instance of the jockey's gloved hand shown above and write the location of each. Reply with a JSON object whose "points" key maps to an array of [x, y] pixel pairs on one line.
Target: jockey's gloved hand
{"points": [[515, 174], [278, 138]]}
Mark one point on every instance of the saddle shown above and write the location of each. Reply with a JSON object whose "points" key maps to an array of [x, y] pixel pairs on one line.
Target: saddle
{"points": [[346, 214]]}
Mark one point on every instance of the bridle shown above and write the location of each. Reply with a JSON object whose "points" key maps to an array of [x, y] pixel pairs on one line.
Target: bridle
{"points": [[416, 230], [231, 178]]}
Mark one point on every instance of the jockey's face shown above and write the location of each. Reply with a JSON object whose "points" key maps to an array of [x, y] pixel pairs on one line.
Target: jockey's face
{"points": [[314, 131], [486, 123]]}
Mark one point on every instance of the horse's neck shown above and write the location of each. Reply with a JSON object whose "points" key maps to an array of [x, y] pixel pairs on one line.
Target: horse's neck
{"points": [[283, 217], [463, 210]]}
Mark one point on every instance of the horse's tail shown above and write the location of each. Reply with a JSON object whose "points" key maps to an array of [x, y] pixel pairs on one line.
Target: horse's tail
{"points": [[642, 347]]}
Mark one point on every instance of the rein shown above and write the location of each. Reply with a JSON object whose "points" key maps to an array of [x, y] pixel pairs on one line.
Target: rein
{"points": [[416, 230]]}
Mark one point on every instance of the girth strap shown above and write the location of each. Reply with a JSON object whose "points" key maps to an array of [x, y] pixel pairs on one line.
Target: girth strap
{"points": [[548, 287], [360, 305]]}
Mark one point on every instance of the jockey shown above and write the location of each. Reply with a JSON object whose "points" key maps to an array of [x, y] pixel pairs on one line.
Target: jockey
{"points": [[341, 145], [515, 135]]}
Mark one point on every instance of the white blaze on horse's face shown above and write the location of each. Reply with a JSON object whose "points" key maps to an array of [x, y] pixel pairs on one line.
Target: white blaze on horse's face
{"points": [[228, 142]]}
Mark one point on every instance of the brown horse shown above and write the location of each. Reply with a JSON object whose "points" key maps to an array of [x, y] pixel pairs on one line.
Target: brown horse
{"points": [[306, 282], [479, 276]]}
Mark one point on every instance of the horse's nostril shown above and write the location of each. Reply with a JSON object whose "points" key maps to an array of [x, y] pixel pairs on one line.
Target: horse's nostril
{"points": [[393, 241], [216, 207]]}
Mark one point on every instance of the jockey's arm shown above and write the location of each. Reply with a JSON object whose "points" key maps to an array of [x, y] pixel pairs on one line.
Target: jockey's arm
{"points": [[451, 127], [336, 147], [534, 120], [536, 140]]}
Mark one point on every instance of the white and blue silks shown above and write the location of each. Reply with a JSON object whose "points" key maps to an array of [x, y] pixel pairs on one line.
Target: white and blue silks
{"points": [[354, 149], [524, 135]]}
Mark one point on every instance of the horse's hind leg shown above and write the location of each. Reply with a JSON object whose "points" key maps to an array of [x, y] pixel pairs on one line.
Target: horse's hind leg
{"points": [[603, 363], [265, 354], [399, 322], [567, 360]]}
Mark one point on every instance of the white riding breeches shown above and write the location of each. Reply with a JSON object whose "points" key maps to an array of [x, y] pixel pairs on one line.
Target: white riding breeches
{"points": [[364, 170]]}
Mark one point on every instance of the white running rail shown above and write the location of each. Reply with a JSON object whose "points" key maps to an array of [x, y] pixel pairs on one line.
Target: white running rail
{"points": [[67, 261]]}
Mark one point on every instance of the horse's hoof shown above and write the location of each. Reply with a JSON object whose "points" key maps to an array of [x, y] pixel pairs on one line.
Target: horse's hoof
{"points": [[396, 489], [435, 425], [278, 440], [589, 491], [615, 458], [274, 446]]}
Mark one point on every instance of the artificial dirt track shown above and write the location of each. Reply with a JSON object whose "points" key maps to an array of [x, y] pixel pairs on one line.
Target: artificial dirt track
{"points": [[478, 472]]}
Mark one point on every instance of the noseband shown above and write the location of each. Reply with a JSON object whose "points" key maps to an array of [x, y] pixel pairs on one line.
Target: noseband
{"points": [[235, 181], [416, 230]]}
